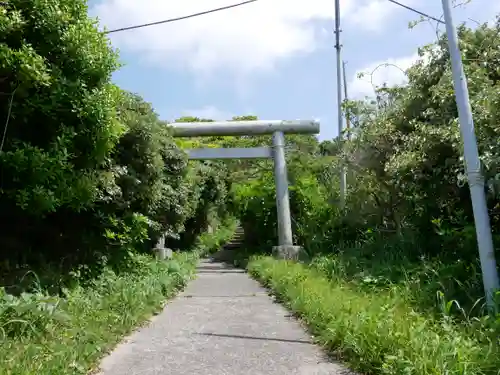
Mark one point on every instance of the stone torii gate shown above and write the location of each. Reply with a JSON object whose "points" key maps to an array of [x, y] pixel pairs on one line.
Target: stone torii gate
{"points": [[285, 248]]}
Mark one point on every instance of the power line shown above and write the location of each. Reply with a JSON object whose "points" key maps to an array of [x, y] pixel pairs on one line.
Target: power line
{"points": [[180, 18], [416, 11]]}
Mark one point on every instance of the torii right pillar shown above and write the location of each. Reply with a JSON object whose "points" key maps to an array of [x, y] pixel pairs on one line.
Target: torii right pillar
{"points": [[285, 248]]}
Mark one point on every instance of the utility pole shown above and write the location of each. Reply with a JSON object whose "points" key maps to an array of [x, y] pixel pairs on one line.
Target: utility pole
{"points": [[346, 97], [339, 98], [472, 162]]}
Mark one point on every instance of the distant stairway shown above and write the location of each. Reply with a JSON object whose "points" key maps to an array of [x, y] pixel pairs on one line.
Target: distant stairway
{"points": [[226, 254]]}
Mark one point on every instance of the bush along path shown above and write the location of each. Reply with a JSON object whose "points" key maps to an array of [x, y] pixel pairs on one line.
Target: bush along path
{"points": [[375, 332], [47, 335]]}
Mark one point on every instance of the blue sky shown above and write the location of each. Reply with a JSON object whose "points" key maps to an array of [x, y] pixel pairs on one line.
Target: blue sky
{"points": [[273, 58]]}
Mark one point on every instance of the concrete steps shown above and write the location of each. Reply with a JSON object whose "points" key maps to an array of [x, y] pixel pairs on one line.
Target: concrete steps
{"points": [[226, 254], [237, 240]]}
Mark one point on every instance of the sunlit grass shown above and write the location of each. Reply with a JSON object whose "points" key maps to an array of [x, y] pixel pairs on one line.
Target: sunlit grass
{"points": [[47, 335], [375, 329]]}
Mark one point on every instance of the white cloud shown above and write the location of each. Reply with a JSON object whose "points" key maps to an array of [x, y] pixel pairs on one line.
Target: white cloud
{"points": [[208, 112], [240, 40], [390, 72], [373, 14]]}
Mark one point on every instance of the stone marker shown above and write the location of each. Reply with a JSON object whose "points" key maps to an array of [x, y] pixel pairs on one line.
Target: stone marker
{"points": [[161, 251]]}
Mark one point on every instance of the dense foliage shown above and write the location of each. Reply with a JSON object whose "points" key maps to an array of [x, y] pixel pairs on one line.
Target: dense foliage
{"points": [[88, 172], [394, 282], [408, 212], [90, 176]]}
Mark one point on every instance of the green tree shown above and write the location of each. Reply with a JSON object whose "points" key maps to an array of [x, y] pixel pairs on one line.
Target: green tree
{"points": [[59, 119]]}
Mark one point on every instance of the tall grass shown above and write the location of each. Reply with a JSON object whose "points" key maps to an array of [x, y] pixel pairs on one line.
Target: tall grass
{"points": [[375, 329], [47, 335], [436, 285]]}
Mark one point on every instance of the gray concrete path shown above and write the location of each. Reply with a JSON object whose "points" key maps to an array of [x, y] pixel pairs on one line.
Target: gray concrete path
{"points": [[224, 323]]}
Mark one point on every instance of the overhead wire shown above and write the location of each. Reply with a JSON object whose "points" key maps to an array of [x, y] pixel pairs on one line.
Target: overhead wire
{"points": [[180, 18], [416, 11]]}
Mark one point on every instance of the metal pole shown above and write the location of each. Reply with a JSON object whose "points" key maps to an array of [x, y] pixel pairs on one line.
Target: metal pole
{"points": [[339, 97], [282, 199], [472, 162], [347, 119]]}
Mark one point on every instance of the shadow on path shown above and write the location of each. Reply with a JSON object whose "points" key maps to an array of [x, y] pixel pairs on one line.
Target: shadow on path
{"points": [[255, 338]]}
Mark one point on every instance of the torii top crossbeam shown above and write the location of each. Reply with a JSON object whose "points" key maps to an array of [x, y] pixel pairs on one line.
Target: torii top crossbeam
{"points": [[233, 128]]}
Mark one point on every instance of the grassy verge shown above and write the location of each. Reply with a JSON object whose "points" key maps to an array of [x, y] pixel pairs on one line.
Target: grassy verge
{"points": [[47, 335], [376, 331], [444, 284]]}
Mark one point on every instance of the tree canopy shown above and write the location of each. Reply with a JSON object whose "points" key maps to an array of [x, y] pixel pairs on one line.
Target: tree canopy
{"points": [[88, 172]]}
